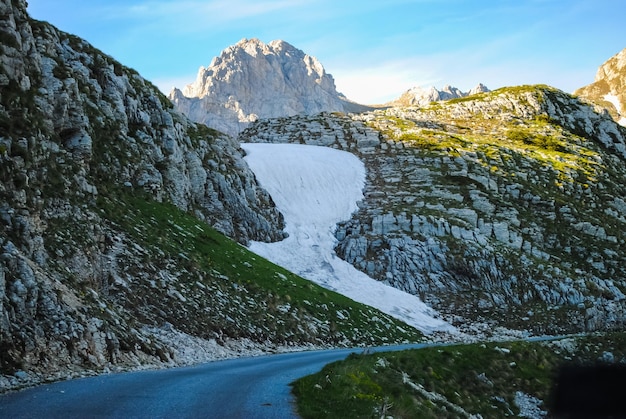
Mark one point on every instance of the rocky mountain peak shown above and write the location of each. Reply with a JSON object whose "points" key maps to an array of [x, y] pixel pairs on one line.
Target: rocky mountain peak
{"points": [[252, 80], [480, 88], [613, 68], [609, 88], [423, 96]]}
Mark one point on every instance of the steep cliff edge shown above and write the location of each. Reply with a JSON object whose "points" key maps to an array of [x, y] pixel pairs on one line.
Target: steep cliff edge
{"points": [[504, 208], [107, 197], [252, 80]]}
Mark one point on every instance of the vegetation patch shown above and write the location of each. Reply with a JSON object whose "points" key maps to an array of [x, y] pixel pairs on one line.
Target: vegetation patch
{"points": [[240, 294]]}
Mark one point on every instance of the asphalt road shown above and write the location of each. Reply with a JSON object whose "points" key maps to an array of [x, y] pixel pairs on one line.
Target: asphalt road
{"points": [[256, 387]]}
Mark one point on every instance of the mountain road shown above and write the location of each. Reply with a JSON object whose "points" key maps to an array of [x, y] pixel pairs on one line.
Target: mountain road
{"points": [[253, 387]]}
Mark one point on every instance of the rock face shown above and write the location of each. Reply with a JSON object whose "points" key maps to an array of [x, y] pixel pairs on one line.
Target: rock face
{"points": [[506, 208], [609, 88], [86, 109], [107, 259], [420, 96], [75, 126], [252, 80]]}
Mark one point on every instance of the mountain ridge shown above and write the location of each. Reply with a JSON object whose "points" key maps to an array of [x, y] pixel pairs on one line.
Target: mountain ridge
{"points": [[421, 96], [609, 87], [120, 217], [251, 80], [485, 206]]}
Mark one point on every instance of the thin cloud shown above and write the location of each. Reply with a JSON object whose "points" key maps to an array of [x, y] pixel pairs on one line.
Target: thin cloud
{"points": [[382, 82], [198, 13], [166, 84]]}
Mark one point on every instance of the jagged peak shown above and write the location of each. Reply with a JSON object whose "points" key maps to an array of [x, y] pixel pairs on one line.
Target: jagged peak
{"points": [[251, 46], [612, 67], [421, 96], [279, 44], [249, 41], [608, 90], [480, 88], [254, 47]]}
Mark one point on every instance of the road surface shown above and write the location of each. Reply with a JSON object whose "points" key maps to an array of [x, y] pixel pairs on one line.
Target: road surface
{"points": [[256, 387]]}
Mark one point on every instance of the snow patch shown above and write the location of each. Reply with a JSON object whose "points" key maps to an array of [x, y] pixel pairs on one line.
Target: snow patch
{"points": [[614, 100], [315, 188]]}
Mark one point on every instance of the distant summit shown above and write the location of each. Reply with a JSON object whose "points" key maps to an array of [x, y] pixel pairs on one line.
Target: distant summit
{"points": [[252, 80], [609, 88], [420, 96]]}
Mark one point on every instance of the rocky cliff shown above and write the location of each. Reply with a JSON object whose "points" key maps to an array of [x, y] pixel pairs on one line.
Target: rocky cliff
{"points": [[420, 96], [252, 80], [609, 87], [80, 112], [504, 207], [111, 208]]}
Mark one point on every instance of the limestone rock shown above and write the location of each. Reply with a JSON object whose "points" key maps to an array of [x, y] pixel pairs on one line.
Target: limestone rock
{"points": [[89, 107], [76, 127], [111, 209]]}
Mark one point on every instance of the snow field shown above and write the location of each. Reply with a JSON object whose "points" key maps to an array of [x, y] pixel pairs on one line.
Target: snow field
{"points": [[615, 101], [315, 188]]}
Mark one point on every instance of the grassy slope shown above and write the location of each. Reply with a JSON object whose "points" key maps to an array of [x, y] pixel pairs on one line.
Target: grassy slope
{"points": [[126, 262], [231, 291], [476, 378]]}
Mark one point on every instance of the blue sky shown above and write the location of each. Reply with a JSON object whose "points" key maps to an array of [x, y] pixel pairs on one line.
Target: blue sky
{"points": [[375, 50]]}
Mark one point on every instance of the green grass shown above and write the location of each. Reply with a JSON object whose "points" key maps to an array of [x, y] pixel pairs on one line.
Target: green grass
{"points": [[477, 378], [264, 300]]}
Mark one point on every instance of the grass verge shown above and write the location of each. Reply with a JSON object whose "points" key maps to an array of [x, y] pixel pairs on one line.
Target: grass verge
{"points": [[449, 381]]}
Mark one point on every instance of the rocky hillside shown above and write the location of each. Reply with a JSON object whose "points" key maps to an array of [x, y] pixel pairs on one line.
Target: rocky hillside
{"points": [[504, 207], [113, 213], [252, 80], [420, 96], [609, 88]]}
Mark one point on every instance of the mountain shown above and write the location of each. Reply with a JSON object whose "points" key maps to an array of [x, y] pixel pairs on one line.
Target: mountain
{"points": [[121, 224], [252, 80], [503, 209], [609, 88], [420, 96]]}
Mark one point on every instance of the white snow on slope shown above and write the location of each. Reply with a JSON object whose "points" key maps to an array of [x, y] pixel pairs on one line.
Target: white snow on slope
{"points": [[615, 101], [315, 188]]}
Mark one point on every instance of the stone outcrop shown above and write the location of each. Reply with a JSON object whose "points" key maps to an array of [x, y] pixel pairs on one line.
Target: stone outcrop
{"points": [[252, 80], [505, 208], [422, 96], [609, 87]]}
